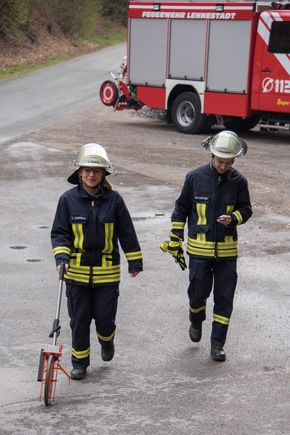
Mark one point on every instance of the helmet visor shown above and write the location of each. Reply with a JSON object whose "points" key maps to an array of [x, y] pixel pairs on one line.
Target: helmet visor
{"points": [[226, 145]]}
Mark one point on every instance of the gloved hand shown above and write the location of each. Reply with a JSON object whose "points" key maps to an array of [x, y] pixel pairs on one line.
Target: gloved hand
{"points": [[174, 247]]}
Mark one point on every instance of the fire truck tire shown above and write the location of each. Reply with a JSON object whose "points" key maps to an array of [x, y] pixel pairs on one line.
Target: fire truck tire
{"points": [[186, 113], [108, 93], [240, 125]]}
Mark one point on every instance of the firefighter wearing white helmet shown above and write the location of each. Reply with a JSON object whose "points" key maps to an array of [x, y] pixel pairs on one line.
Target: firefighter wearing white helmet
{"points": [[213, 202], [226, 144], [92, 155], [90, 223]]}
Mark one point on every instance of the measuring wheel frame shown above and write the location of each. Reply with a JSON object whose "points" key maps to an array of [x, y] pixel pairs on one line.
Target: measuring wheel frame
{"points": [[49, 363], [50, 380], [51, 366]]}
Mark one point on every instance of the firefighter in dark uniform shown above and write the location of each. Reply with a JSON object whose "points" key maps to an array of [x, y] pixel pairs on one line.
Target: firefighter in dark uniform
{"points": [[90, 221], [214, 200]]}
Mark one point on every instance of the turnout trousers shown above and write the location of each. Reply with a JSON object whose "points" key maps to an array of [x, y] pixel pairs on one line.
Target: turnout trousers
{"points": [[84, 305], [220, 276]]}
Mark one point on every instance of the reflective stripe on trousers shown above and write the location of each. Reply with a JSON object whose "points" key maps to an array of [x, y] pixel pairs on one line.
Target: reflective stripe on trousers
{"points": [[220, 276], [84, 305]]}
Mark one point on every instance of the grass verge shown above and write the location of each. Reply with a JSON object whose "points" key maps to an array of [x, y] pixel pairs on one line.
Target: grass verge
{"points": [[93, 44]]}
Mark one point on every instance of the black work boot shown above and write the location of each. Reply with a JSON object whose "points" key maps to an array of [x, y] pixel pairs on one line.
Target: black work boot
{"points": [[78, 374], [217, 353], [195, 331], [107, 353]]}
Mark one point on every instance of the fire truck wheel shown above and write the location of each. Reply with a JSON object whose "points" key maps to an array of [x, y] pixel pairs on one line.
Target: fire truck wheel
{"points": [[186, 113], [240, 125], [108, 93]]}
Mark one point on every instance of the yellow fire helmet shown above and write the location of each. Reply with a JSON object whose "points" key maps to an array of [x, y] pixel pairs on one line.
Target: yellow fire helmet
{"points": [[225, 144], [92, 155]]}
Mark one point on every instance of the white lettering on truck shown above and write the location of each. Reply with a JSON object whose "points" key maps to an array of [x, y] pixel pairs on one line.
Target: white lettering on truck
{"points": [[152, 14], [278, 86], [211, 15], [190, 15]]}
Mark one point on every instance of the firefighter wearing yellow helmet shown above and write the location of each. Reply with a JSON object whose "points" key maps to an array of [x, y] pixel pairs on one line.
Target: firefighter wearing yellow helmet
{"points": [[90, 223], [213, 202]]}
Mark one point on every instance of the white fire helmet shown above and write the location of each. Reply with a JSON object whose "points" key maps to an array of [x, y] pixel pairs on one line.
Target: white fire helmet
{"points": [[226, 145], [91, 155]]}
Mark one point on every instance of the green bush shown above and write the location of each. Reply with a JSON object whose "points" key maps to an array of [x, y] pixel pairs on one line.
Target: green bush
{"points": [[116, 10], [84, 18], [14, 20], [75, 16]]}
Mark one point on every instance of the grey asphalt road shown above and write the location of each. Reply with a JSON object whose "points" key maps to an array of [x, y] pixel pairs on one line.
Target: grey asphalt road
{"points": [[158, 382], [42, 98]]}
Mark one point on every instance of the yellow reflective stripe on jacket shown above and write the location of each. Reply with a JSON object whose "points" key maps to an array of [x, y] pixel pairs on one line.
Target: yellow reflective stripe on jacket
{"points": [[201, 220], [61, 250], [100, 274], [201, 247], [229, 243], [201, 252], [79, 236], [221, 319], [107, 251], [177, 225], [238, 216], [81, 354], [106, 279], [201, 214], [201, 239], [85, 279], [136, 255], [197, 310], [96, 279], [221, 253], [75, 259], [107, 260], [102, 337]]}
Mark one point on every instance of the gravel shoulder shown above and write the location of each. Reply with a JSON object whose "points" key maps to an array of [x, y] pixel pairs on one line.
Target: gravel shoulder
{"points": [[142, 142]]}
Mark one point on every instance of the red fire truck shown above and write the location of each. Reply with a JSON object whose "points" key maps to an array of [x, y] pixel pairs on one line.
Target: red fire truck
{"points": [[206, 63]]}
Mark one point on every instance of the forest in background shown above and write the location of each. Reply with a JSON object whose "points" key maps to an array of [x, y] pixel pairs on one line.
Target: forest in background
{"points": [[39, 33], [20, 19]]}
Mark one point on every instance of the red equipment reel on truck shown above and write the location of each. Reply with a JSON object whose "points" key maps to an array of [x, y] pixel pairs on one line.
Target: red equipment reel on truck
{"points": [[117, 93]]}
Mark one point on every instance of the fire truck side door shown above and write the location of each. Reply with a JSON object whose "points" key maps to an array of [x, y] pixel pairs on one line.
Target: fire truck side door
{"points": [[271, 69], [147, 48]]}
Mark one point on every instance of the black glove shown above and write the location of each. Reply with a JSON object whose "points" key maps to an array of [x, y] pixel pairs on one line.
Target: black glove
{"points": [[174, 247]]}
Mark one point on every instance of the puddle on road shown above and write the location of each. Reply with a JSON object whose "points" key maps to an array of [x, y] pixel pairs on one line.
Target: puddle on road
{"points": [[144, 218]]}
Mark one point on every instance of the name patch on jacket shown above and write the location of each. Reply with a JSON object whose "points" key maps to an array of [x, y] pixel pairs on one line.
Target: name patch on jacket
{"points": [[78, 219], [201, 198]]}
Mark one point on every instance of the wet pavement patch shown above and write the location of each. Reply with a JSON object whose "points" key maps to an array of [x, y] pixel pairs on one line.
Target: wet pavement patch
{"points": [[143, 218]]}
